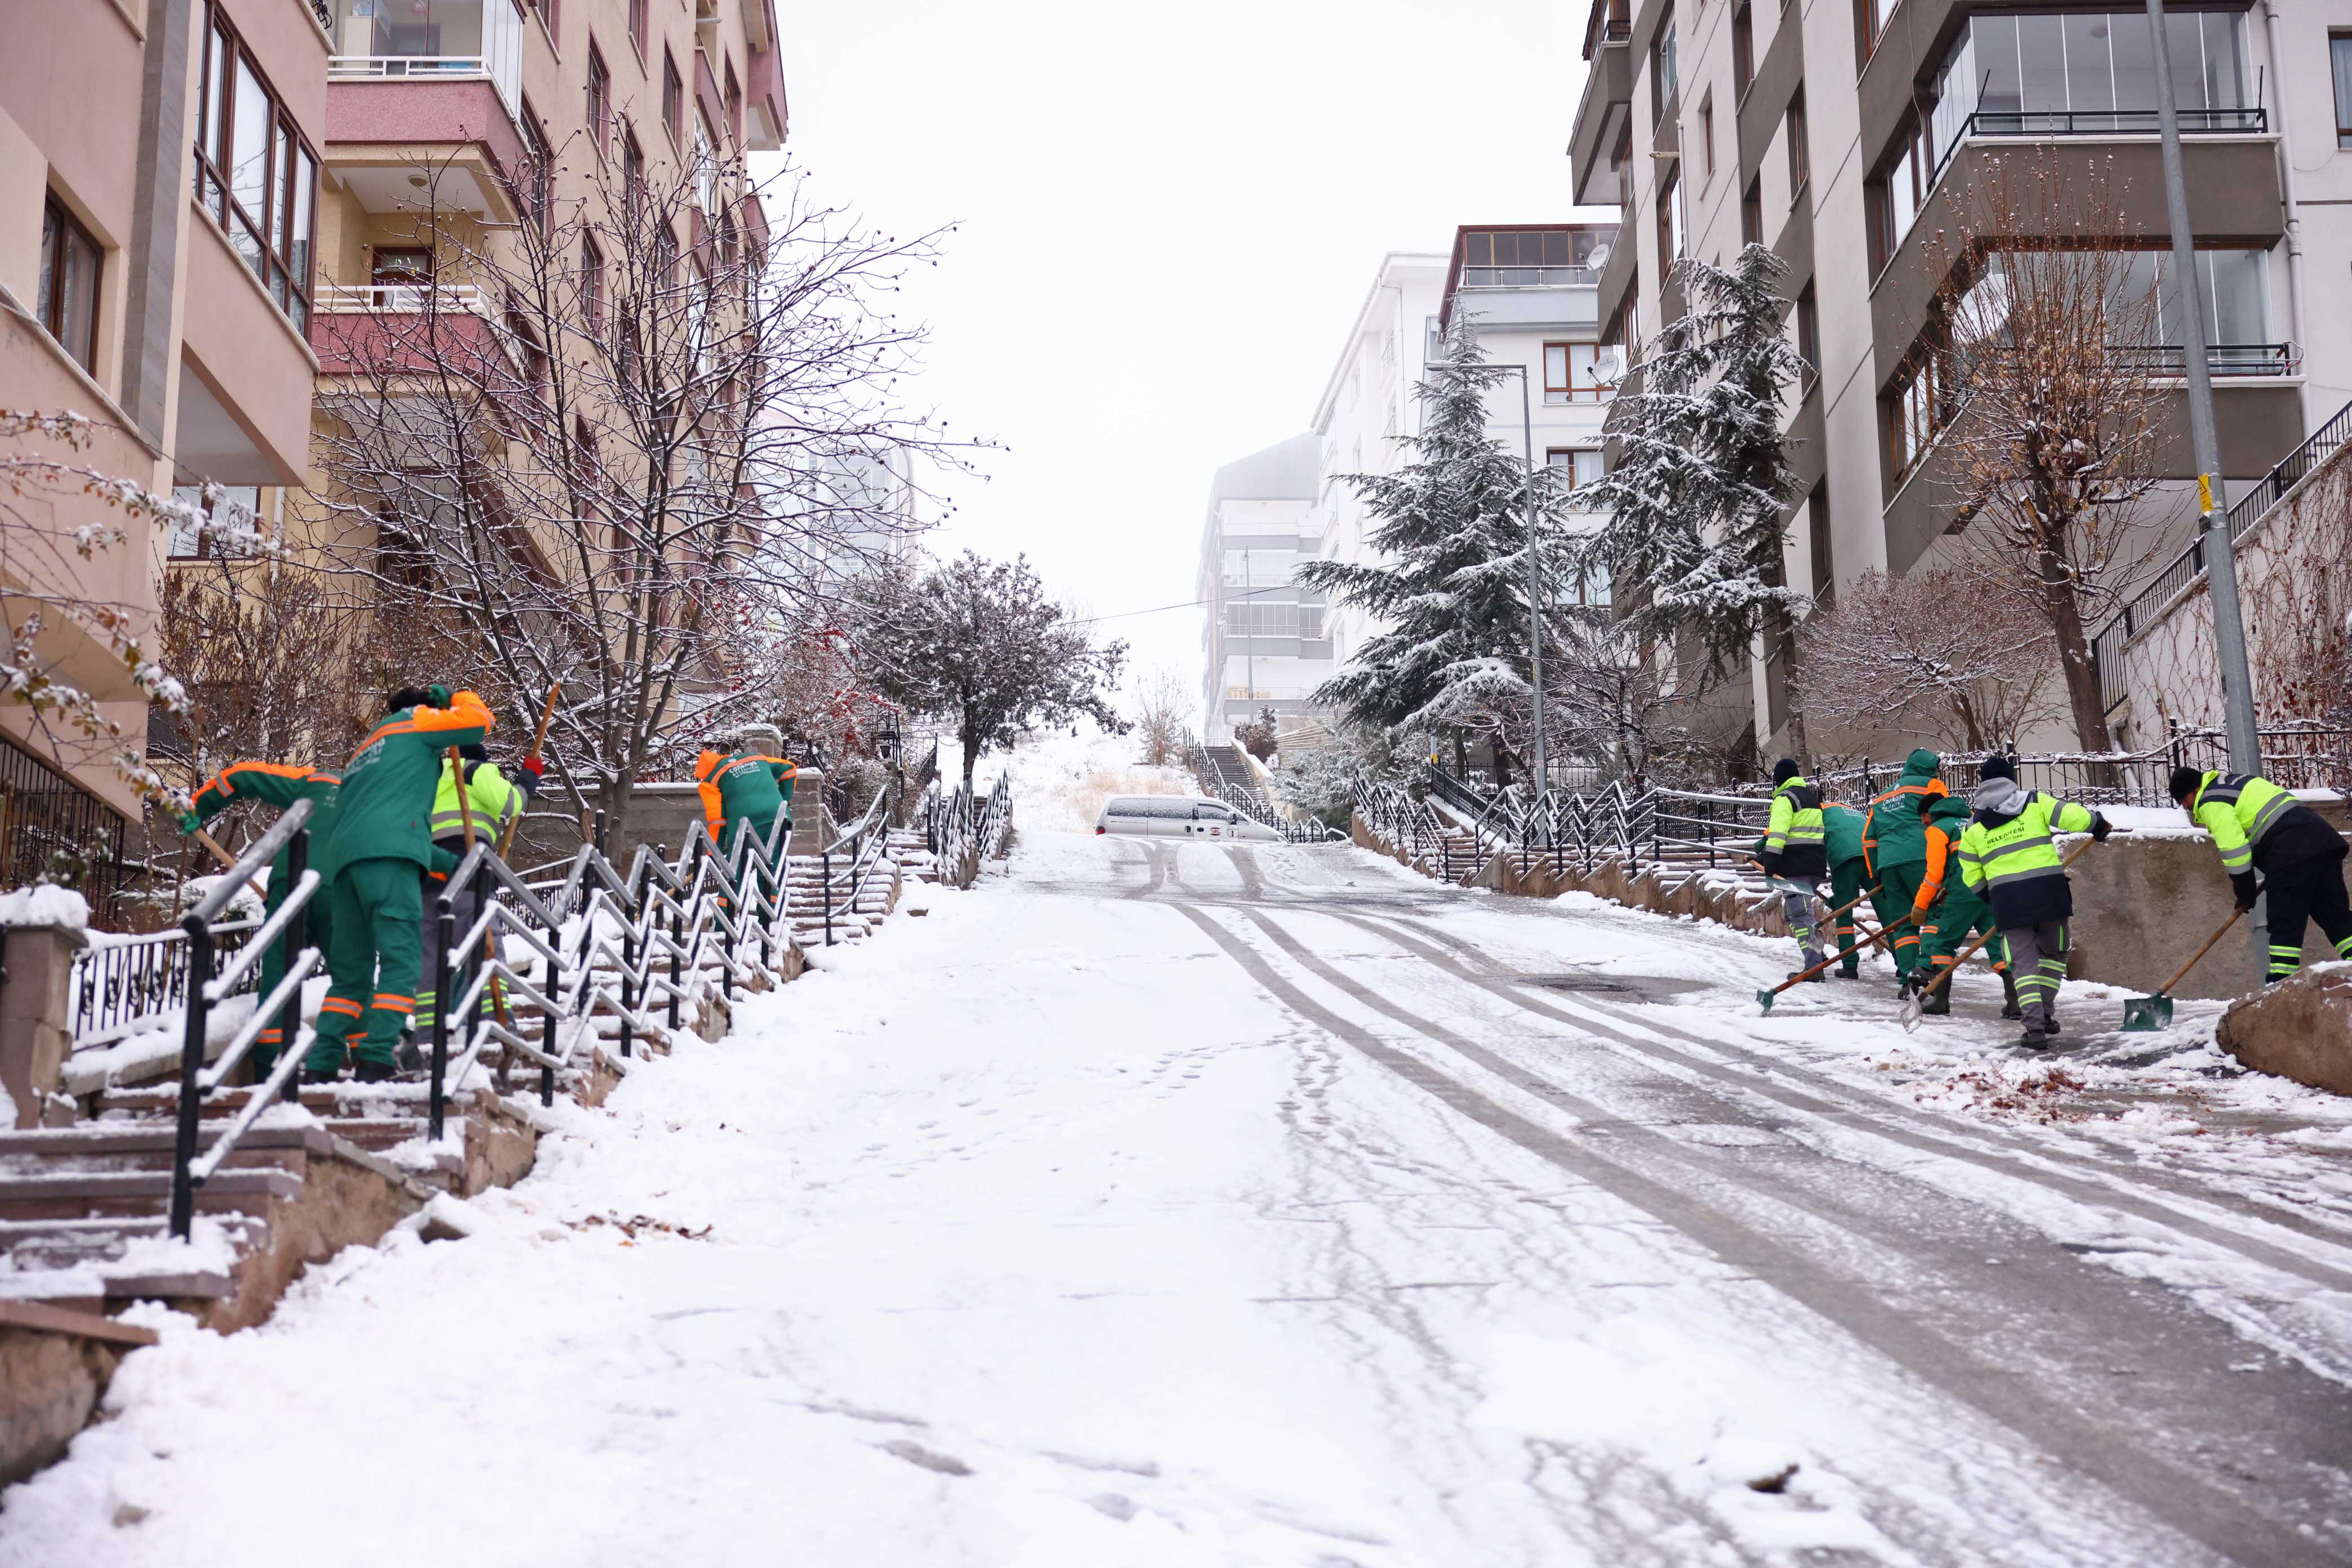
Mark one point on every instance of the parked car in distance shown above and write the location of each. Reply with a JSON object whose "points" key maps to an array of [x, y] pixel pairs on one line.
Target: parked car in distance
{"points": [[1178, 816]]}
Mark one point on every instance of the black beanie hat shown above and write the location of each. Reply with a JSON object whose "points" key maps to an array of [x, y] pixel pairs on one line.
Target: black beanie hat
{"points": [[1784, 770], [1998, 767], [2184, 782]]}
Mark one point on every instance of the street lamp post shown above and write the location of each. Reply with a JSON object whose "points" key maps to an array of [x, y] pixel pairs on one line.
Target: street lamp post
{"points": [[1535, 575], [2213, 519]]}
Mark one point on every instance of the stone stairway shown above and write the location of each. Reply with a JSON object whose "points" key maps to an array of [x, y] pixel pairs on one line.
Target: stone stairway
{"points": [[913, 855], [852, 919]]}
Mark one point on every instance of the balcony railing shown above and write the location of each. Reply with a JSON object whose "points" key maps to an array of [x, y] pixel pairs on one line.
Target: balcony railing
{"points": [[2040, 122], [1528, 277], [499, 34], [2220, 359], [402, 299]]}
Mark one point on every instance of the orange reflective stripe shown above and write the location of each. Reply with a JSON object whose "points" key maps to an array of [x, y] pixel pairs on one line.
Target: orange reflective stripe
{"points": [[347, 1006], [397, 1004], [379, 732], [277, 770]]}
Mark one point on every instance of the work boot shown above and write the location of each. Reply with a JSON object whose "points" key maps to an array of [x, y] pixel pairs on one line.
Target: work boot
{"points": [[1939, 1002], [2050, 1017], [322, 1075], [406, 1057], [2035, 1039], [2009, 1005], [366, 1071]]}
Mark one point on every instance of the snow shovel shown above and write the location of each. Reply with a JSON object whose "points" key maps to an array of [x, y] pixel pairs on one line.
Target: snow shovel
{"points": [[2142, 1014], [1914, 1005], [1764, 998]]}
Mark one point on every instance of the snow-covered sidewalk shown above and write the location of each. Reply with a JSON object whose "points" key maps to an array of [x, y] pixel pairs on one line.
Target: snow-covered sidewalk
{"points": [[1151, 1205]]}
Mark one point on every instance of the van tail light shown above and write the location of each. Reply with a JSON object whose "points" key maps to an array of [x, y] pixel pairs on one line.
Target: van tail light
{"points": [[1099, 830]]}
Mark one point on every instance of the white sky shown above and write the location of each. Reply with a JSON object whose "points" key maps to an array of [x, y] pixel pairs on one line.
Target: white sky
{"points": [[1169, 217]]}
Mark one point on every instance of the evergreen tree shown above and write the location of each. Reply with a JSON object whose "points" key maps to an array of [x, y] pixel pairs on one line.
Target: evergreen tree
{"points": [[1448, 577], [1694, 536]]}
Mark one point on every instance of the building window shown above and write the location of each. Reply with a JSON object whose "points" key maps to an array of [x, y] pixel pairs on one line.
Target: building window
{"points": [[552, 12], [1800, 161], [1573, 468], [1577, 372], [536, 190], [673, 98], [2339, 55], [600, 99], [1743, 49], [1662, 71], [70, 261], [637, 26], [239, 505], [734, 107], [592, 285], [1499, 258], [1809, 337], [401, 266], [1869, 22], [1751, 212], [633, 175], [1817, 525], [255, 174], [1917, 408], [1706, 133], [1904, 189], [1671, 233]]}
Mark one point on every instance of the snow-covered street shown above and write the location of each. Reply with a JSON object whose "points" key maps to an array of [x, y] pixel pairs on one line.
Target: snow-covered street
{"points": [[1158, 1204]]}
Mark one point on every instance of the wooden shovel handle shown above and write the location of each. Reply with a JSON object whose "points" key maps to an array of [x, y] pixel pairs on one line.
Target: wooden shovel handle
{"points": [[225, 857], [1838, 957], [2223, 930], [538, 746]]}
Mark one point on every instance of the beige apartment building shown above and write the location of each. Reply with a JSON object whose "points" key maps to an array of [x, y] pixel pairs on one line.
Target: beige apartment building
{"points": [[160, 174], [1849, 135]]}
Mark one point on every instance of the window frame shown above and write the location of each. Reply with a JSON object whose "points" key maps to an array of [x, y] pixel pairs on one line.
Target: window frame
{"points": [[592, 285], [1664, 82], [600, 99], [537, 190], [637, 27], [1743, 50], [1870, 18], [1751, 212], [287, 153], [50, 305], [1822, 548], [2341, 41], [1800, 157], [1807, 312], [673, 99], [1707, 130]]}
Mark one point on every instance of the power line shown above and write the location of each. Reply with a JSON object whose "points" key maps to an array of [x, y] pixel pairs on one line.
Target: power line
{"points": [[1188, 604]]}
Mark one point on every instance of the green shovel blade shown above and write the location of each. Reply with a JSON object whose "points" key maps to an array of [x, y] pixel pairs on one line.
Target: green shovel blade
{"points": [[2143, 1013], [1764, 999]]}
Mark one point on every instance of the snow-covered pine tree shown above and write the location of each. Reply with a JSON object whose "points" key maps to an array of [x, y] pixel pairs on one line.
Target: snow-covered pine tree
{"points": [[1448, 580], [1694, 536]]}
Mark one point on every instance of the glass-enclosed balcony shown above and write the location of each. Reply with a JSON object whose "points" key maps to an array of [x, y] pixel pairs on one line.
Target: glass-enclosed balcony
{"points": [[376, 40]]}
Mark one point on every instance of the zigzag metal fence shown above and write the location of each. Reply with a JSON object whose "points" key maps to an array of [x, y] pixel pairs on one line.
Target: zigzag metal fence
{"points": [[1253, 803], [961, 830], [531, 969]]}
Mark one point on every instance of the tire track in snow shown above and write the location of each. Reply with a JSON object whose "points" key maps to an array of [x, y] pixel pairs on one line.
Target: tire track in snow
{"points": [[2311, 1487], [1823, 1097]]}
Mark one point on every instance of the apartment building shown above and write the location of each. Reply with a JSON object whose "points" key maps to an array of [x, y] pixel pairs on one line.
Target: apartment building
{"points": [[1851, 138], [1263, 640], [160, 172], [1531, 293]]}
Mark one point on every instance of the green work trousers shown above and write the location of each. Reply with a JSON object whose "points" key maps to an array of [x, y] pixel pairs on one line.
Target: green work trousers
{"points": [[272, 1040], [1897, 886], [373, 955], [1848, 878], [1958, 915]]}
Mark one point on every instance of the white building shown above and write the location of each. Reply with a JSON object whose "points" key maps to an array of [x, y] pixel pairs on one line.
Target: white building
{"points": [[1531, 293], [1264, 643]]}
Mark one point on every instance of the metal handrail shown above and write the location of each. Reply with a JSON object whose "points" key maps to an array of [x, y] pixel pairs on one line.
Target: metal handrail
{"points": [[284, 1002], [2030, 123], [400, 299], [2177, 578]]}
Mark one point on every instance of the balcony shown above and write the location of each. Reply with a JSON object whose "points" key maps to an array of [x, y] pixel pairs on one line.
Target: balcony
{"points": [[1608, 98], [399, 328], [438, 40], [1524, 275]]}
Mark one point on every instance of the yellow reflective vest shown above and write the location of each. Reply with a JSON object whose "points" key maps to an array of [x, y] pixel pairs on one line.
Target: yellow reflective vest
{"points": [[495, 801], [2239, 810]]}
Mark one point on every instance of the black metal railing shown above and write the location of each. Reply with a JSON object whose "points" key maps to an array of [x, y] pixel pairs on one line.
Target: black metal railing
{"points": [[2011, 123], [860, 850], [2143, 608], [125, 986], [1251, 800], [206, 987], [53, 828]]}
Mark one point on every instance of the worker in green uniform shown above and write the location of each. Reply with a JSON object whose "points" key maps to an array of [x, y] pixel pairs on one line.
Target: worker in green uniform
{"points": [[740, 786], [1945, 913], [494, 802], [383, 840], [1895, 840], [2258, 827], [2009, 851], [1849, 879], [280, 785], [1795, 859]]}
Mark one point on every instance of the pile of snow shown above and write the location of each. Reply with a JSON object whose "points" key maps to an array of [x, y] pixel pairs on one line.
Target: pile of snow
{"points": [[47, 905], [1060, 780]]}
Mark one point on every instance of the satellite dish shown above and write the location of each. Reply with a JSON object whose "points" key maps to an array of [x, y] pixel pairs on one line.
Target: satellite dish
{"points": [[1600, 258]]}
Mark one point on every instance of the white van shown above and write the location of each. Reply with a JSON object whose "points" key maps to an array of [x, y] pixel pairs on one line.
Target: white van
{"points": [[1178, 816]]}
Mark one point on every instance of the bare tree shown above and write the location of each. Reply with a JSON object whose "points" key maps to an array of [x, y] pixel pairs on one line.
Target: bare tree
{"points": [[89, 577], [1620, 703], [634, 461], [1954, 654], [1163, 718], [2038, 377]]}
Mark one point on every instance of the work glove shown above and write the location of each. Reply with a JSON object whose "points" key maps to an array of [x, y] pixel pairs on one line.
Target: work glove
{"points": [[188, 822], [2100, 829], [1770, 862], [2246, 888], [534, 766], [439, 695]]}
